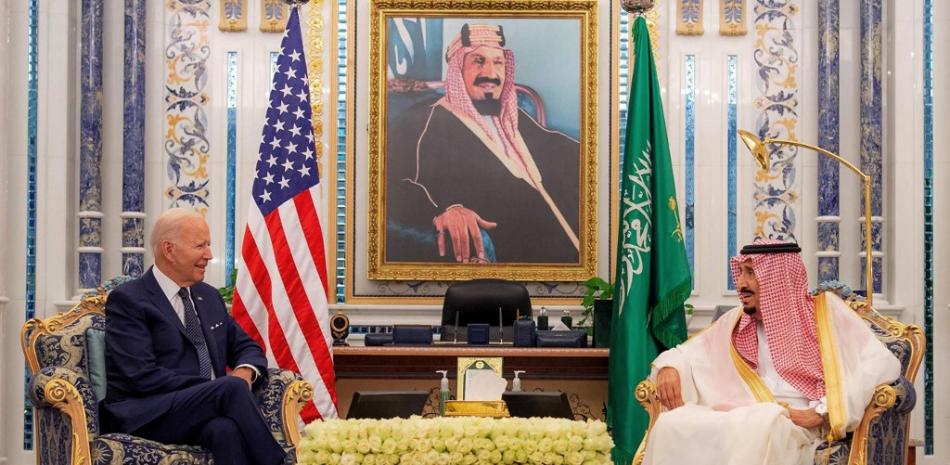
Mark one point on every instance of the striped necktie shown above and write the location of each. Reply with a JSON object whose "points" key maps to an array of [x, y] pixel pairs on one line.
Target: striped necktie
{"points": [[194, 333]]}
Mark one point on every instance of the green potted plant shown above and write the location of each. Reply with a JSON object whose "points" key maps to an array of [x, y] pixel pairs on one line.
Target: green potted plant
{"points": [[598, 305], [227, 292]]}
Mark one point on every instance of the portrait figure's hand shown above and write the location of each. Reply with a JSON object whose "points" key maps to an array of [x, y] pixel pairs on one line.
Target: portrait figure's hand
{"points": [[462, 225], [807, 418], [244, 373], [668, 388]]}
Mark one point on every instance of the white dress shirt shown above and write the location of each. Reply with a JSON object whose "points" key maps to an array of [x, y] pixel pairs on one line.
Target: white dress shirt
{"points": [[781, 389], [170, 289]]}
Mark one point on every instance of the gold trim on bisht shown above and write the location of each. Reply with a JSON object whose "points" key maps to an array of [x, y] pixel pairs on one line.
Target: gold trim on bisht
{"points": [[834, 391]]}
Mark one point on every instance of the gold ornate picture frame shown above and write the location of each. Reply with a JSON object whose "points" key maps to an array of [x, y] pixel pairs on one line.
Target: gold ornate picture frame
{"points": [[482, 140]]}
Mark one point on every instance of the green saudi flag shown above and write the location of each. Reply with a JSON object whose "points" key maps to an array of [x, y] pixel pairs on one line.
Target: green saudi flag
{"points": [[652, 278]]}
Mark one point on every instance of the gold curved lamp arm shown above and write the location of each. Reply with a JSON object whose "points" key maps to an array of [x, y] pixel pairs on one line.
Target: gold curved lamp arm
{"points": [[761, 154]]}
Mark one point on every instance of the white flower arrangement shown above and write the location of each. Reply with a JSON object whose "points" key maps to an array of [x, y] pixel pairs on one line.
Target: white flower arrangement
{"points": [[457, 440]]}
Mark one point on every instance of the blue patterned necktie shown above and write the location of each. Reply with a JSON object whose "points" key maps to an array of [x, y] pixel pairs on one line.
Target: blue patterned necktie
{"points": [[193, 331]]}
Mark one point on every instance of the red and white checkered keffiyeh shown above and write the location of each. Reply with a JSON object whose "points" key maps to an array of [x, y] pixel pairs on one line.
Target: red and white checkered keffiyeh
{"points": [[507, 122], [788, 314]]}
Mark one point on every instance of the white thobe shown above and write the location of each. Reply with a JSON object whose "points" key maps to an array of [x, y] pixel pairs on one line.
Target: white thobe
{"points": [[732, 415]]}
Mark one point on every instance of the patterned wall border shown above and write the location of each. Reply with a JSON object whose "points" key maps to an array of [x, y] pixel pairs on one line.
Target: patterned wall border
{"points": [[233, 16], [776, 59], [689, 17], [186, 132], [315, 65], [828, 129], [274, 15], [928, 40], [732, 16]]}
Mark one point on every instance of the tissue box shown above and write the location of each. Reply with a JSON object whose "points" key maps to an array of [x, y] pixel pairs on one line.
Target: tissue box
{"points": [[573, 338]]}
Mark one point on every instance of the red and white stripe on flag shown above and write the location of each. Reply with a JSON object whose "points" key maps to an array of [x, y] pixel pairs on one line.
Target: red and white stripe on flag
{"points": [[280, 296]]}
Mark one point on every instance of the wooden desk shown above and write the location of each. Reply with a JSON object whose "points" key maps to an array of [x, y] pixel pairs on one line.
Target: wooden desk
{"points": [[581, 373]]}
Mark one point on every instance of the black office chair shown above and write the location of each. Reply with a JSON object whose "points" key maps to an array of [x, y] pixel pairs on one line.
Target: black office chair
{"points": [[478, 301]]}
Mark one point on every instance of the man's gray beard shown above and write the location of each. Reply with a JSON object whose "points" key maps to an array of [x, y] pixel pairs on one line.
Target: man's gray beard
{"points": [[488, 106]]}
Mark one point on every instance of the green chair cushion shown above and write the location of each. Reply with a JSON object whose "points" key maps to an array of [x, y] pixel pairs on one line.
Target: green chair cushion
{"points": [[96, 351]]}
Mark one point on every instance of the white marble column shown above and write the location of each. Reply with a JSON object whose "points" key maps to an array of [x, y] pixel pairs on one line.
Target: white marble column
{"points": [[13, 136], [5, 271]]}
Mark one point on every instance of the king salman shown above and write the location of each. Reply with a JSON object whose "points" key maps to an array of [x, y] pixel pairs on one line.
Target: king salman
{"points": [[771, 377]]}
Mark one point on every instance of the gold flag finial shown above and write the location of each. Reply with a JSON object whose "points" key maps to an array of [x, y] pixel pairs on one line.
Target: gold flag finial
{"points": [[637, 7]]}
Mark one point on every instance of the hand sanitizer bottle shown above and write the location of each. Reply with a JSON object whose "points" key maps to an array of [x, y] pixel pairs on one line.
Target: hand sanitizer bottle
{"points": [[443, 391], [516, 383]]}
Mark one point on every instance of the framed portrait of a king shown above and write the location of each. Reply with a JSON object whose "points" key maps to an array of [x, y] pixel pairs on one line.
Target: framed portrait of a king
{"points": [[482, 140]]}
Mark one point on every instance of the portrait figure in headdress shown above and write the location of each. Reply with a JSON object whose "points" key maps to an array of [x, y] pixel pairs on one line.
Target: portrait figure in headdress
{"points": [[473, 178]]}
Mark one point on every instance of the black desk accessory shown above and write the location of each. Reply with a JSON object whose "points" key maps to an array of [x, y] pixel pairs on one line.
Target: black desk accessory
{"points": [[525, 333], [387, 404], [339, 328], [478, 334], [378, 339], [412, 335], [572, 338], [538, 404]]}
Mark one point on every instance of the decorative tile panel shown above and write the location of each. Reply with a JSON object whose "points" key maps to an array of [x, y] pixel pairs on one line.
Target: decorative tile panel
{"points": [[872, 128], [732, 116], [689, 154], [828, 129], [90, 143], [732, 17], [32, 97], [233, 16], [689, 17], [232, 73], [342, 88], [273, 15], [776, 60], [928, 223], [186, 130], [133, 141]]}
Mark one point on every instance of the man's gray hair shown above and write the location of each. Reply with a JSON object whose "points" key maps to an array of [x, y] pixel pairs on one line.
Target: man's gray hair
{"points": [[168, 226]]}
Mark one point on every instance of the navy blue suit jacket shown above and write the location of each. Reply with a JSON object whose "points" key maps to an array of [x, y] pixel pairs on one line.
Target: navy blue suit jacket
{"points": [[148, 356]]}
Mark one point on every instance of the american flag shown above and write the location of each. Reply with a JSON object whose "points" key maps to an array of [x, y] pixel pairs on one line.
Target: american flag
{"points": [[280, 296]]}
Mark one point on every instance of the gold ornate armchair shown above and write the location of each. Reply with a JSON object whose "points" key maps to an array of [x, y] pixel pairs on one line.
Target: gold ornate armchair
{"points": [[66, 358], [882, 436]]}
